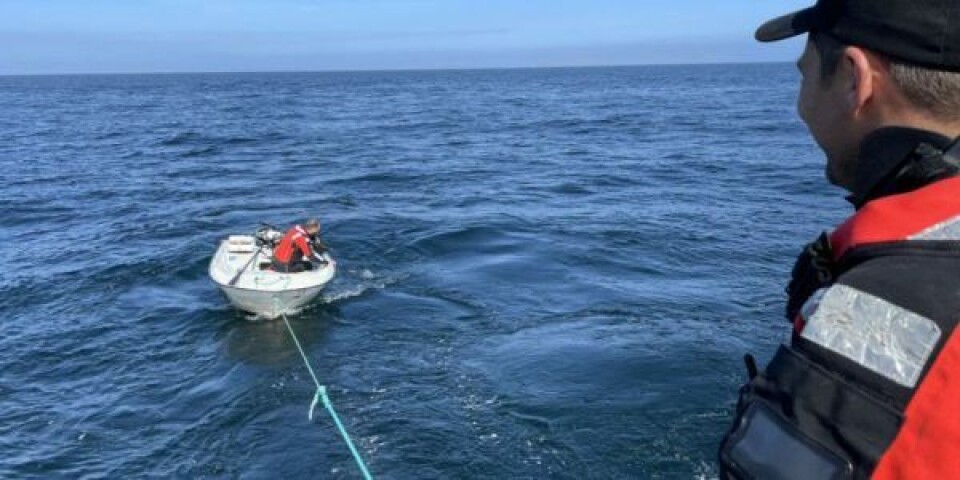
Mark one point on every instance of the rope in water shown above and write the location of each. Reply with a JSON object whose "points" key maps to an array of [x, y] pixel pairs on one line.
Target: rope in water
{"points": [[322, 397]]}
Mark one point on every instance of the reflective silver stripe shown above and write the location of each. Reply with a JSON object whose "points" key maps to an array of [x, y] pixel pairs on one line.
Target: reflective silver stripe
{"points": [[946, 230], [885, 338]]}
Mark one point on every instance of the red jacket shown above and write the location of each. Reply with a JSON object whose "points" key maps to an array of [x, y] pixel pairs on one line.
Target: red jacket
{"points": [[293, 246]]}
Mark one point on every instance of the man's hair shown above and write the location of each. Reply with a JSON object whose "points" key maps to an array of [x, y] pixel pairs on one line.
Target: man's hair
{"points": [[312, 223], [934, 91]]}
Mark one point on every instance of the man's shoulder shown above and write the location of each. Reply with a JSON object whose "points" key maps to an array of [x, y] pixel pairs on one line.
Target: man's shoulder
{"points": [[924, 279]]}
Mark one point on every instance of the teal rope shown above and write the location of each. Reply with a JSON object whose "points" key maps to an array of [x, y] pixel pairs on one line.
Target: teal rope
{"points": [[302, 354], [322, 397], [322, 393]]}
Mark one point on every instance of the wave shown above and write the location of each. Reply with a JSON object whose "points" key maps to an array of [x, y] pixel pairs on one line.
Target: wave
{"points": [[470, 239], [380, 177], [366, 280], [201, 152], [182, 138], [199, 139]]}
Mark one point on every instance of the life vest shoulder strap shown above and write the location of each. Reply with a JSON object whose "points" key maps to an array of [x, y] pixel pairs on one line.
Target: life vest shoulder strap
{"points": [[929, 213]]}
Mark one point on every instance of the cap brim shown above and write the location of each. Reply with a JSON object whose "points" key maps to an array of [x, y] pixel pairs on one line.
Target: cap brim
{"points": [[790, 25]]}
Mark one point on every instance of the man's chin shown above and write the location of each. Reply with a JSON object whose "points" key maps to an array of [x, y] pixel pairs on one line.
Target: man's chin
{"points": [[838, 178], [831, 177]]}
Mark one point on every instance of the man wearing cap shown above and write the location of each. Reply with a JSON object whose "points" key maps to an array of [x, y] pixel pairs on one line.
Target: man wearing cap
{"points": [[294, 252], [869, 384]]}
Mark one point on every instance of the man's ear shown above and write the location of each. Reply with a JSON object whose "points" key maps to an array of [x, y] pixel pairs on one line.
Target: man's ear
{"points": [[861, 83]]}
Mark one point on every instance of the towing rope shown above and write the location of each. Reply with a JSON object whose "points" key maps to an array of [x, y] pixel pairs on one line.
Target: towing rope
{"points": [[321, 397]]}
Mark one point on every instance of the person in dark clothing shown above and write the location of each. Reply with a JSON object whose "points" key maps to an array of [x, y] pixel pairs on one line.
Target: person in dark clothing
{"points": [[868, 384], [296, 251]]}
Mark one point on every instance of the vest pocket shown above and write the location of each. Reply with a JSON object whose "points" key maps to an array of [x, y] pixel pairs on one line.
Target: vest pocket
{"points": [[832, 409], [765, 445], [799, 407]]}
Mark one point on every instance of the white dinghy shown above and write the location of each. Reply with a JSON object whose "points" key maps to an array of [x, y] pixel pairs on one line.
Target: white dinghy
{"points": [[241, 267]]}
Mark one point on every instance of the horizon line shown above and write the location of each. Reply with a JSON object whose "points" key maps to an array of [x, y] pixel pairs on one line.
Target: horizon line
{"points": [[389, 70]]}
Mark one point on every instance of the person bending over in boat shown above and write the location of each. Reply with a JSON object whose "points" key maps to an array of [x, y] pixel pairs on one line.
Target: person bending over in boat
{"points": [[299, 248]]}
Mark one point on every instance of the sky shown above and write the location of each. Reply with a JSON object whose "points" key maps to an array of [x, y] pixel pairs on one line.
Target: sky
{"points": [[127, 36]]}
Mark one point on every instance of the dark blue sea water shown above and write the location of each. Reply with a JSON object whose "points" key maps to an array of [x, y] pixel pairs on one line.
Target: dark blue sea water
{"points": [[544, 273]]}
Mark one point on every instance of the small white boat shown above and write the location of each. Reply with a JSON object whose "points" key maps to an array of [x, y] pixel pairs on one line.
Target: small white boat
{"points": [[241, 267]]}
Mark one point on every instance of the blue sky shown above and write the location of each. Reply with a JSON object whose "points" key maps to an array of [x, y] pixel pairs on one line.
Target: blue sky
{"points": [[95, 36]]}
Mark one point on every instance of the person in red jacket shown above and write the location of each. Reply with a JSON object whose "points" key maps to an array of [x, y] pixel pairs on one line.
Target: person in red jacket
{"points": [[295, 251]]}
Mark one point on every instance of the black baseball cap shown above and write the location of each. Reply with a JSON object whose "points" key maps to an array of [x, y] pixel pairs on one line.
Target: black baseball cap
{"points": [[921, 32]]}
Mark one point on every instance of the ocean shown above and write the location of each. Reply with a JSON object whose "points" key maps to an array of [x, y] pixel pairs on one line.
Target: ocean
{"points": [[543, 273]]}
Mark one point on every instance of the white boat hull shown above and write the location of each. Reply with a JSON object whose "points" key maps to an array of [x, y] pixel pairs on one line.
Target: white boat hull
{"points": [[270, 304], [258, 289]]}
